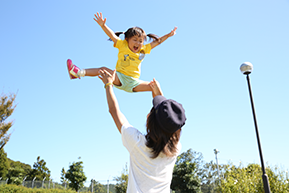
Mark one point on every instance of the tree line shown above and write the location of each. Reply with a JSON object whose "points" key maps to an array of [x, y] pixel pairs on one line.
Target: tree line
{"points": [[191, 173]]}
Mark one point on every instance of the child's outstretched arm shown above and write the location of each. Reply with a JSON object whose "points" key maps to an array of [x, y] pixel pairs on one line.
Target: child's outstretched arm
{"points": [[102, 22], [163, 38]]}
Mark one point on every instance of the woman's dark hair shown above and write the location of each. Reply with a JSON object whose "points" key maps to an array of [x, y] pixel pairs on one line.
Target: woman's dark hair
{"points": [[159, 140], [136, 31]]}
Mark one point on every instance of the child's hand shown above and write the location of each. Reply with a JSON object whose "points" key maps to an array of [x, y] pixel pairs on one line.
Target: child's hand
{"points": [[156, 89], [99, 19], [173, 32], [106, 77]]}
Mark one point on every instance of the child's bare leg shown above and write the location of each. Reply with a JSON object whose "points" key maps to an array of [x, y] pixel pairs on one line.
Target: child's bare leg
{"points": [[152, 86], [92, 72], [143, 87]]}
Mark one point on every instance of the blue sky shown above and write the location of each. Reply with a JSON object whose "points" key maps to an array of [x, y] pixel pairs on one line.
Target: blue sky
{"points": [[60, 119]]}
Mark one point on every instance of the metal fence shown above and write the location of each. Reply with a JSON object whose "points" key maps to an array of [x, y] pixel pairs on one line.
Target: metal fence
{"points": [[99, 186], [103, 186], [39, 184]]}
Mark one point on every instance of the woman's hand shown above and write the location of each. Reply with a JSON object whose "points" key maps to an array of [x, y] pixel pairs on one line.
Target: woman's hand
{"points": [[106, 77], [99, 19], [156, 89]]}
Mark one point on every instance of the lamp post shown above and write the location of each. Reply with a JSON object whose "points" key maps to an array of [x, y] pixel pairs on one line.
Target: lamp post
{"points": [[217, 163], [246, 68], [108, 186], [92, 185]]}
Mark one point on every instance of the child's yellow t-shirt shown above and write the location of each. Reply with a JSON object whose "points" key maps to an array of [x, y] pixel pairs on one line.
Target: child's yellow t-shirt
{"points": [[129, 63]]}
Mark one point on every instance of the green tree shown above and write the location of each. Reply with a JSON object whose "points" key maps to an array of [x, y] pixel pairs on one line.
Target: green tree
{"points": [[15, 175], [6, 109], [210, 170], [122, 181], [40, 171], [76, 175], [278, 180], [17, 171], [4, 164], [63, 180], [186, 172], [16, 164], [249, 180], [97, 187], [210, 177]]}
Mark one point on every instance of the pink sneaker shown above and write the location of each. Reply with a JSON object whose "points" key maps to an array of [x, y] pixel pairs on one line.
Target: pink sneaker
{"points": [[72, 70]]}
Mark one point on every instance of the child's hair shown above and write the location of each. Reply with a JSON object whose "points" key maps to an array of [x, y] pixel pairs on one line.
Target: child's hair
{"points": [[137, 31], [159, 140]]}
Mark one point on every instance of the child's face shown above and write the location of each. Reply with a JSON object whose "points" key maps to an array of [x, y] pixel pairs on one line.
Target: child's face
{"points": [[135, 43]]}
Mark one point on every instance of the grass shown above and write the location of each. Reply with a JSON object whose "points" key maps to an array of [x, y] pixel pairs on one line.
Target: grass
{"points": [[7, 188]]}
